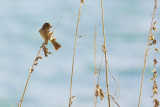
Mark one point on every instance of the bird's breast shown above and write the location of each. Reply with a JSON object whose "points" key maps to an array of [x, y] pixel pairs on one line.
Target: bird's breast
{"points": [[43, 34]]}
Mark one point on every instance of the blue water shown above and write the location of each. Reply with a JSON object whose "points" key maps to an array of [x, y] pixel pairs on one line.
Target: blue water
{"points": [[127, 26]]}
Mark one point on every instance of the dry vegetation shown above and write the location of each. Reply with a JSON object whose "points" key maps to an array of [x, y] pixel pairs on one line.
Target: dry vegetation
{"points": [[97, 89], [151, 41], [45, 49], [71, 98]]}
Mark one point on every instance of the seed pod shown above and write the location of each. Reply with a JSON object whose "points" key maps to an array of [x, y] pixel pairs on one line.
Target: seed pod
{"points": [[154, 41], [82, 1], [98, 87], [157, 49], [154, 74], [154, 28], [154, 70], [101, 94], [31, 70], [151, 37], [155, 61]]}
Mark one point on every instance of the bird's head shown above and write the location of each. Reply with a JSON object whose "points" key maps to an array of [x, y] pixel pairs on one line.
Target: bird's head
{"points": [[46, 26]]}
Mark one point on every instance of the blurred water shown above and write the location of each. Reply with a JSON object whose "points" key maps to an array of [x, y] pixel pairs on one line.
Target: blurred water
{"points": [[127, 27]]}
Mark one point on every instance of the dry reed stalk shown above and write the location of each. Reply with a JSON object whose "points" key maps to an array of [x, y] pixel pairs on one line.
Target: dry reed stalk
{"points": [[79, 14], [117, 84], [99, 70], [95, 67], [99, 91], [149, 39], [25, 89], [114, 100], [155, 86], [115, 92], [105, 52], [31, 69]]}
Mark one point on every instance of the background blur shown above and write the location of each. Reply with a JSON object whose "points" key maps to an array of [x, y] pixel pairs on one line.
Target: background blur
{"points": [[127, 24]]}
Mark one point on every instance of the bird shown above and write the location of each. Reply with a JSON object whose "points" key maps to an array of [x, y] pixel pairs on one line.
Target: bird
{"points": [[48, 36]]}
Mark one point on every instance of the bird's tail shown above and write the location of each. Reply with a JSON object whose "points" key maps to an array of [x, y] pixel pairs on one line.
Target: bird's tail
{"points": [[55, 44]]}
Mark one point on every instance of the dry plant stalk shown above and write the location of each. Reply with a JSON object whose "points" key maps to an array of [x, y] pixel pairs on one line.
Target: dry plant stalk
{"points": [[45, 49], [95, 67], [79, 15], [117, 84], [116, 91], [155, 86], [150, 38], [114, 100], [98, 91], [105, 52], [99, 70]]}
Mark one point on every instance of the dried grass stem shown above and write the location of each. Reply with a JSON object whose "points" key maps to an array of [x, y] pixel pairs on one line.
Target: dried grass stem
{"points": [[105, 52], [155, 6], [95, 67], [79, 14], [31, 70]]}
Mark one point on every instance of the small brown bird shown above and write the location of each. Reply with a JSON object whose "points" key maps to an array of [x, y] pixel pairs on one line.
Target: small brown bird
{"points": [[47, 35]]}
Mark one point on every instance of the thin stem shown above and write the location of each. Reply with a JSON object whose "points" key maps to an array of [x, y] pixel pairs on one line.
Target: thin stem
{"points": [[25, 89], [74, 53], [100, 70], [114, 80], [107, 83], [21, 101], [95, 67], [147, 52], [116, 91], [114, 100], [57, 24]]}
